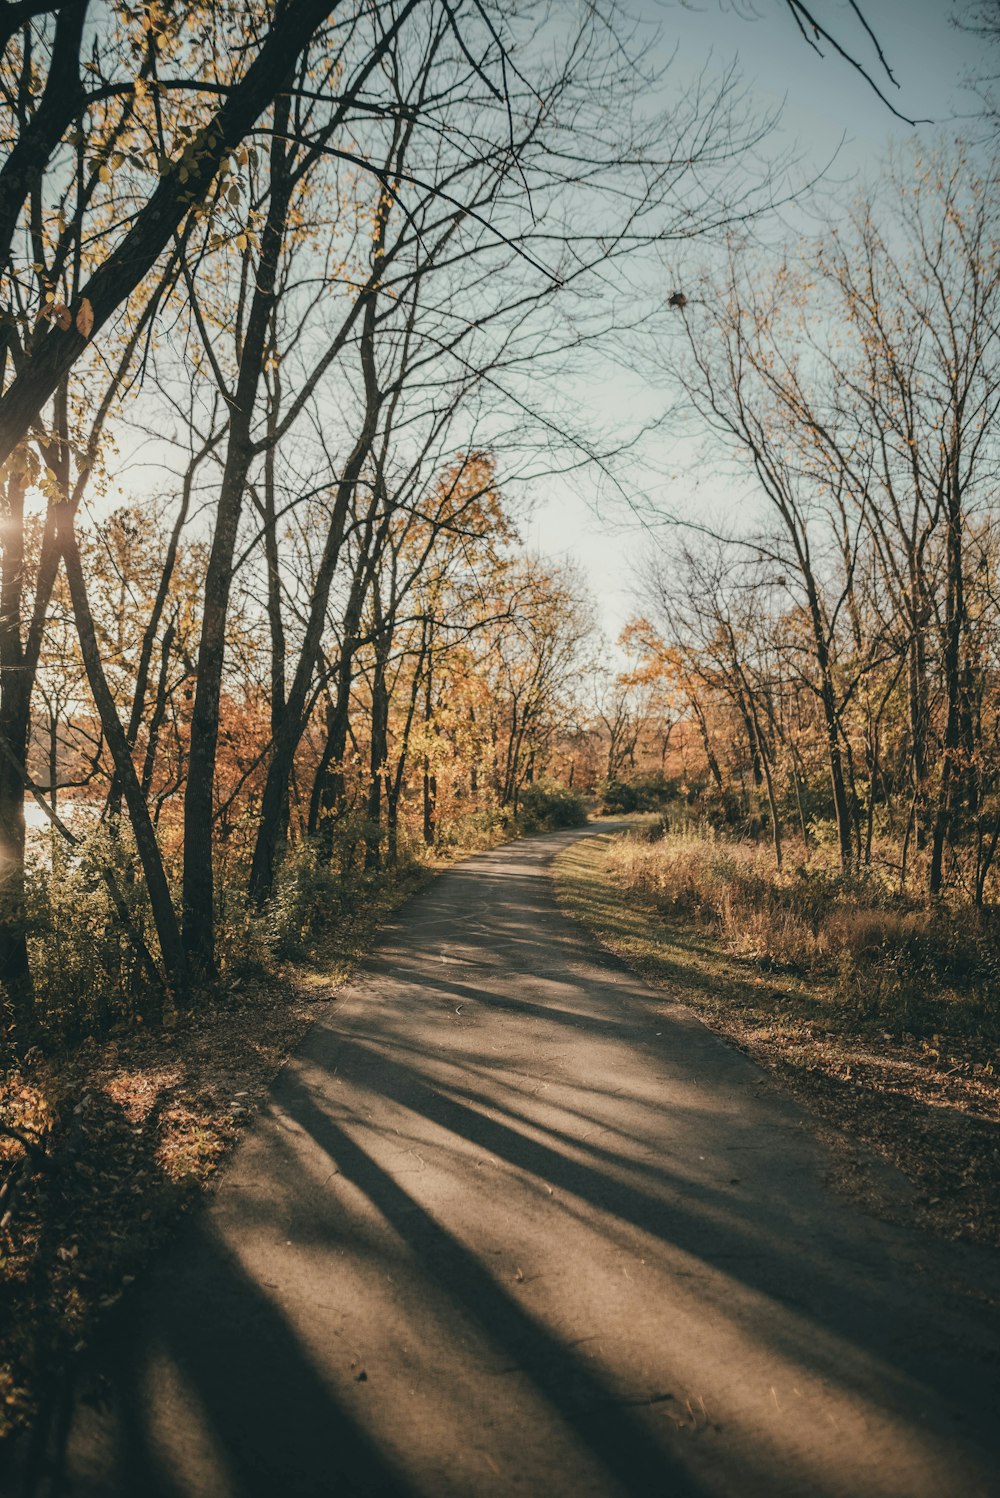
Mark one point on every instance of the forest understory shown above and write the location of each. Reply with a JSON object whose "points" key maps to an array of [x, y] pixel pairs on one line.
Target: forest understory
{"points": [[126, 1133], [885, 1063]]}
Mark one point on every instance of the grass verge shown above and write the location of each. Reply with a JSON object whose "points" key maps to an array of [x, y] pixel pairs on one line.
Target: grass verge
{"points": [[931, 1110]]}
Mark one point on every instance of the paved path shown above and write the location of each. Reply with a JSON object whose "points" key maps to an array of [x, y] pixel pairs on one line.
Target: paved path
{"points": [[515, 1224]]}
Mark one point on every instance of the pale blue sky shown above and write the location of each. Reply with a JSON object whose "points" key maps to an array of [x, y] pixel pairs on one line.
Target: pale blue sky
{"points": [[828, 110]]}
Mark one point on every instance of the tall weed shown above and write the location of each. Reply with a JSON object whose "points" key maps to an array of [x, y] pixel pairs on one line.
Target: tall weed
{"points": [[894, 962]]}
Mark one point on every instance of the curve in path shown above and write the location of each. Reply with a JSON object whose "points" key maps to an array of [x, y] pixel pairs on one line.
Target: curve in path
{"points": [[515, 1223]]}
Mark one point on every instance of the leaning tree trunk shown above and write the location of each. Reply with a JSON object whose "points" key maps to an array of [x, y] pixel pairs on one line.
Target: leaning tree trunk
{"points": [[329, 789], [161, 904], [18, 666], [291, 727], [199, 798], [292, 722]]}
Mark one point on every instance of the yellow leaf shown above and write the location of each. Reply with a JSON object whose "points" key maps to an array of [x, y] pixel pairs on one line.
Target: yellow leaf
{"points": [[85, 318]]}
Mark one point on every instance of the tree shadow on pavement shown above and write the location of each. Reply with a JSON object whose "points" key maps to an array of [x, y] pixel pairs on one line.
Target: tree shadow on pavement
{"points": [[270, 1423]]}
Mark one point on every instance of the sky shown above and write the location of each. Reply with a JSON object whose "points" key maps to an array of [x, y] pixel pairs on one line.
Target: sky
{"points": [[829, 115]]}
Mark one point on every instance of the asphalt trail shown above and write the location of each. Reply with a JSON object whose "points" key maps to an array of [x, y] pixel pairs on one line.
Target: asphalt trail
{"points": [[516, 1224]]}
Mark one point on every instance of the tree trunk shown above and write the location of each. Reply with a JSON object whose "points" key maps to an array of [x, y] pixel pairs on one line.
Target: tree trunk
{"points": [[377, 757], [954, 625], [292, 725], [764, 758], [841, 804], [918, 713], [199, 799], [15, 971], [17, 674], [430, 804], [429, 780], [391, 822], [164, 917], [872, 756], [710, 759], [329, 786]]}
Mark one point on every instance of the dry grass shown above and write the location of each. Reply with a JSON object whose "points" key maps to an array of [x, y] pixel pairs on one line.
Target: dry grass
{"points": [[895, 963], [845, 1003]]}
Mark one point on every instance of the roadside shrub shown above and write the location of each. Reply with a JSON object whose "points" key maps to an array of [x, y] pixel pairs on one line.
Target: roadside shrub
{"points": [[645, 793], [724, 810], [308, 889], [88, 976], [473, 828], [889, 993], [318, 883], [546, 807]]}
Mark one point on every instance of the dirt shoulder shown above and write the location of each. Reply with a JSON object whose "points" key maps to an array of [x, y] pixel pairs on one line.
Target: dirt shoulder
{"points": [[931, 1111]]}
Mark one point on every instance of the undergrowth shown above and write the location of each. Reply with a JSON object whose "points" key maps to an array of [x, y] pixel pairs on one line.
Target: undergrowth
{"points": [[546, 806], [894, 963]]}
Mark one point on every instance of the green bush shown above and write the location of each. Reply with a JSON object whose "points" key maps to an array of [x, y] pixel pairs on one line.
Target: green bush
{"points": [[645, 793], [88, 976], [318, 882], [545, 806]]}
